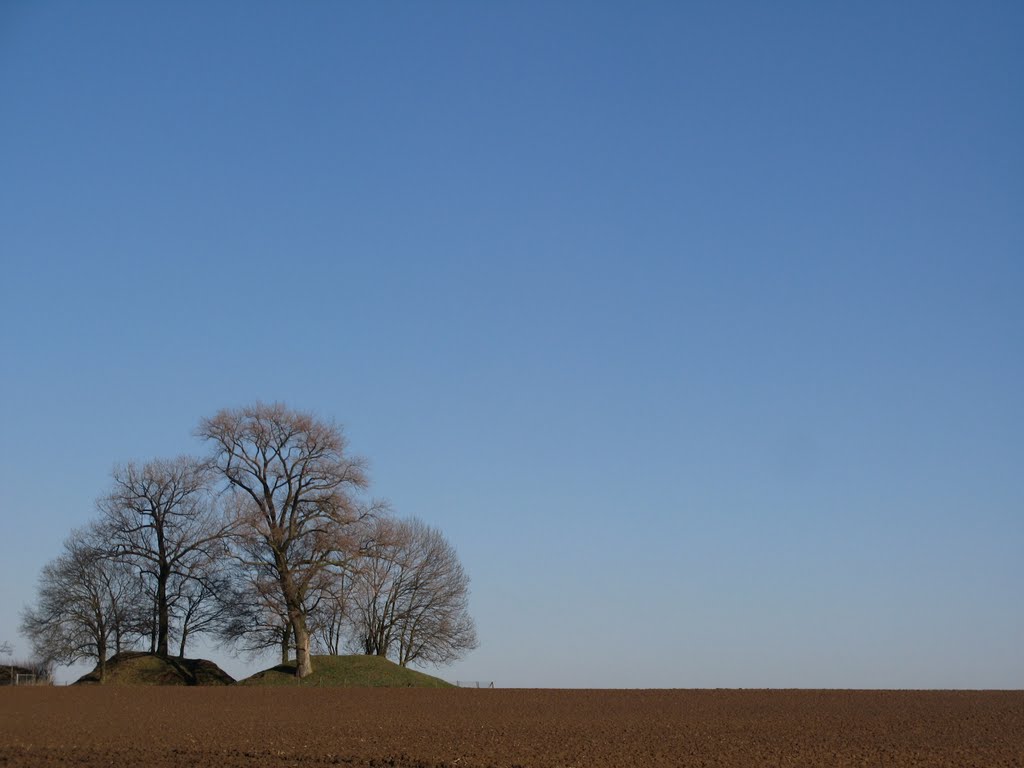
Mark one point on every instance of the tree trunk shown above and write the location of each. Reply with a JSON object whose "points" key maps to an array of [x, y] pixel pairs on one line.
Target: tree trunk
{"points": [[163, 619], [296, 617], [101, 652], [303, 661], [181, 648]]}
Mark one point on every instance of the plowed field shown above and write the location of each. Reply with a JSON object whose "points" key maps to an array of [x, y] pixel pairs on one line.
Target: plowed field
{"points": [[471, 728]]}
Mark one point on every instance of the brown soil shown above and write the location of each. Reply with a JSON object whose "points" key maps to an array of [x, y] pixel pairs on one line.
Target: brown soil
{"points": [[234, 726]]}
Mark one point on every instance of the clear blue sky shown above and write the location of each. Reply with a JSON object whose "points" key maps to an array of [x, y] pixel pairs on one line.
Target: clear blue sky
{"points": [[697, 327]]}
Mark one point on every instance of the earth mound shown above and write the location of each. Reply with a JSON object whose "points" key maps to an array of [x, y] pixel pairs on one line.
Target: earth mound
{"points": [[137, 668], [348, 672]]}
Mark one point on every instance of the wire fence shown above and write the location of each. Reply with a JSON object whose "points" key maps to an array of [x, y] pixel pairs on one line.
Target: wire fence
{"points": [[474, 684]]}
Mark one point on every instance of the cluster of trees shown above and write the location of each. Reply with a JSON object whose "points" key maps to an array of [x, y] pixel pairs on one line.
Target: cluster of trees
{"points": [[269, 542]]}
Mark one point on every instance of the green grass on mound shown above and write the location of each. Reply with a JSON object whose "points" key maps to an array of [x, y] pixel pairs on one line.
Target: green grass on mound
{"points": [[134, 668], [348, 671]]}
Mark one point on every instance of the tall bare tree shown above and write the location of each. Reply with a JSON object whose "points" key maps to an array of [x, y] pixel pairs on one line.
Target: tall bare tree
{"points": [[198, 603], [87, 604], [434, 624], [411, 596], [255, 616], [329, 615], [300, 489], [376, 587], [160, 517]]}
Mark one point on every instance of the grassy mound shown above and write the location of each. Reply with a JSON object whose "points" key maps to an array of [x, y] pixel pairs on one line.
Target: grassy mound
{"points": [[350, 672], [133, 668]]}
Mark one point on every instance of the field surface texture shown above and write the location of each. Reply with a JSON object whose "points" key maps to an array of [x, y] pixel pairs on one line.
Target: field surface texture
{"points": [[233, 726]]}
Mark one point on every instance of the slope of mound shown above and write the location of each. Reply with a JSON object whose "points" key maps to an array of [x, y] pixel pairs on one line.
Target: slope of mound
{"points": [[134, 668], [350, 672]]}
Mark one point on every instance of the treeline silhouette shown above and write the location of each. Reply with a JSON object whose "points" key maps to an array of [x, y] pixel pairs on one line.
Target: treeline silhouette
{"points": [[268, 541]]}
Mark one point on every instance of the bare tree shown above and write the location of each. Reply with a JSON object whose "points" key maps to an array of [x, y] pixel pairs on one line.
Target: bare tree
{"points": [[434, 624], [197, 604], [87, 603], [376, 588], [255, 616], [300, 489], [411, 596], [329, 614], [160, 517]]}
